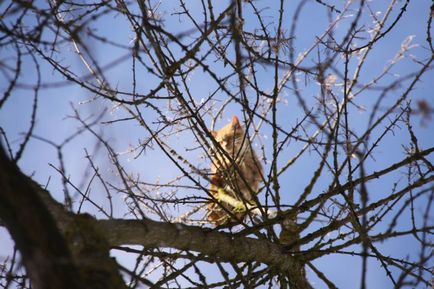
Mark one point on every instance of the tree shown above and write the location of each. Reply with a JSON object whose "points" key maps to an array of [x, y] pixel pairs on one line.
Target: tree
{"points": [[117, 147]]}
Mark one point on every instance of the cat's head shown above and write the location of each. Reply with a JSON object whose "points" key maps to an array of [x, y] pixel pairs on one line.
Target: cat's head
{"points": [[230, 137]]}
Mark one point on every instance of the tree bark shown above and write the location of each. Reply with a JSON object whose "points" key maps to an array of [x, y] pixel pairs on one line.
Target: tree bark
{"points": [[65, 250], [45, 252], [59, 250]]}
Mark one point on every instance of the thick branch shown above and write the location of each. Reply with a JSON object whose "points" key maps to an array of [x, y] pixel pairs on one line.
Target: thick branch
{"points": [[45, 252], [218, 245], [223, 246], [59, 250]]}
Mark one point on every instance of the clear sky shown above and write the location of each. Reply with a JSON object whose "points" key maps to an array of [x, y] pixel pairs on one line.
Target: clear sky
{"points": [[54, 119]]}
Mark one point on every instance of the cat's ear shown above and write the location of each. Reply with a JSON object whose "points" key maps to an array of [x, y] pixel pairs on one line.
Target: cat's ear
{"points": [[235, 121], [213, 133]]}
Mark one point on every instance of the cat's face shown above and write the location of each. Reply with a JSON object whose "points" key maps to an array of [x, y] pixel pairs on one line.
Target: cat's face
{"points": [[230, 137]]}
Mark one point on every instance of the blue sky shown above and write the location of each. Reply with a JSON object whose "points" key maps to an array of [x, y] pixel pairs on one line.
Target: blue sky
{"points": [[54, 119]]}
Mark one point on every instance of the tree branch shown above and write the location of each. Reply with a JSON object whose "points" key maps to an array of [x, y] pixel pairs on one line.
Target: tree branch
{"points": [[44, 250], [59, 249], [223, 246]]}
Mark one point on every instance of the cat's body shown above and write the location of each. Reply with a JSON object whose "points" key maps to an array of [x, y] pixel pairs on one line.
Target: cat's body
{"points": [[238, 172]]}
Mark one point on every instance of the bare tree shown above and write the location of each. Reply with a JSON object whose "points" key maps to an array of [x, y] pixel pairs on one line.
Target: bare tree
{"points": [[332, 96]]}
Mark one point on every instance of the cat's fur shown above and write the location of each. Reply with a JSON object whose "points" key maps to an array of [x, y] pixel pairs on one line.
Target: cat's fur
{"points": [[239, 183]]}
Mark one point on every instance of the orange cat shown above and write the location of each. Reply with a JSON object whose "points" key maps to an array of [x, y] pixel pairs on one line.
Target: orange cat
{"points": [[240, 184]]}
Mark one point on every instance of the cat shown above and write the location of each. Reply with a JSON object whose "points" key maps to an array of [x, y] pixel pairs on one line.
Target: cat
{"points": [[239, 183]]}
